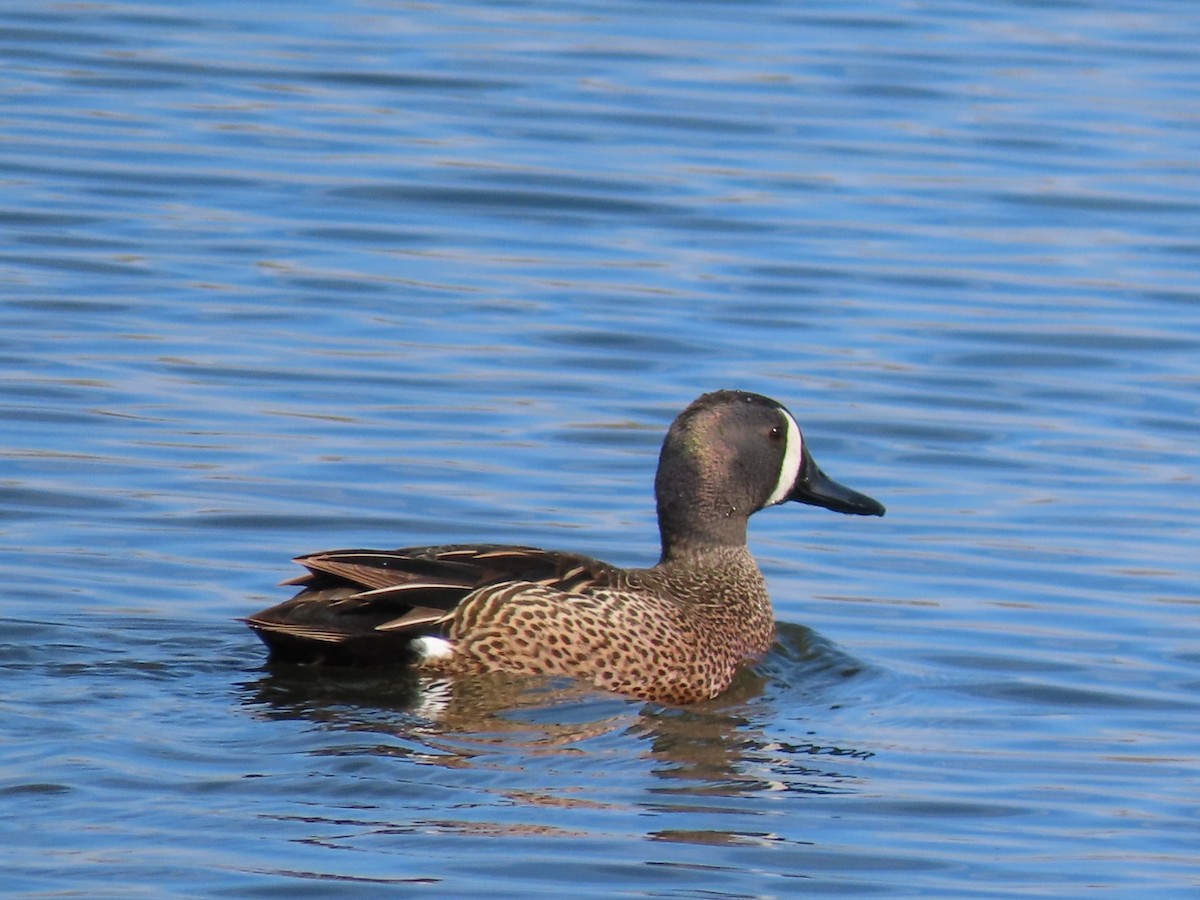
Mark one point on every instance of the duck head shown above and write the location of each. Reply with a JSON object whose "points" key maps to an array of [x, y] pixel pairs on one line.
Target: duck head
{"points": [[730, 454]]}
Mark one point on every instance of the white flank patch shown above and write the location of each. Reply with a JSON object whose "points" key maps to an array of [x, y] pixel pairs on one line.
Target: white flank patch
{"points": [[428, 648], [790, 468]]}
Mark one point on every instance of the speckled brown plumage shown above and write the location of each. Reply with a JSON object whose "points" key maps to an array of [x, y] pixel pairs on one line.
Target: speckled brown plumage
{"points": [[676, 632], [673, 633]]}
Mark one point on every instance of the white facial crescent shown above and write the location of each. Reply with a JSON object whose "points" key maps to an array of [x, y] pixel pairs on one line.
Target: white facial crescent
{"points": [[790, 469]]}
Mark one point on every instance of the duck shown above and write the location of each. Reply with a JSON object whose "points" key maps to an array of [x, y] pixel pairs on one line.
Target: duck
{"points": [[675, 632]]}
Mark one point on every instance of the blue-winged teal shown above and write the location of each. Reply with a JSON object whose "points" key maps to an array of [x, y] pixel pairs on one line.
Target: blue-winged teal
{"points": [[675, 632]]}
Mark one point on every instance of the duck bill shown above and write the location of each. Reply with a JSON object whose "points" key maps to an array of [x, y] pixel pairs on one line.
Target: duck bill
{"points": [[816, 488]]}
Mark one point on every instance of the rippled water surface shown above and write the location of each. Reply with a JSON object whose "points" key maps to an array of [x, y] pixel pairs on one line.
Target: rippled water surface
{"points": [[278, 278]]}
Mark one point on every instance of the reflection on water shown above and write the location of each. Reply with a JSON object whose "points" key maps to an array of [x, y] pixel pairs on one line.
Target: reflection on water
{"points": [[704, 750]]}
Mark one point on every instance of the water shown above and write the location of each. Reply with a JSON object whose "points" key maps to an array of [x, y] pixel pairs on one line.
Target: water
{"points": [[383, 274]]}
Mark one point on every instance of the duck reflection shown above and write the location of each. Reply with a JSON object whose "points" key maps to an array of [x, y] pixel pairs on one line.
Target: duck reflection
{"points": [[727, 746]]}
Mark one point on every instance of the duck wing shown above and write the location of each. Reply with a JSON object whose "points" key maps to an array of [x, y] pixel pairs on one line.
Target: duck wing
{"points": [[364, 607]]}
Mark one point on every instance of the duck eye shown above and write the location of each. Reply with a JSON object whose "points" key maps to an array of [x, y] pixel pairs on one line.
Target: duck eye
{"points": [[776, 433]]}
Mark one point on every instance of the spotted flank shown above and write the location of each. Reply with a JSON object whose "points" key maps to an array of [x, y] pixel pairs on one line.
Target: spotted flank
{"points": [[675, 632]]}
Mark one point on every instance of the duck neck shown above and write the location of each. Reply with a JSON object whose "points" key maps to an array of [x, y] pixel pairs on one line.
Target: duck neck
{"points": [[704, 500], [700, 532]]}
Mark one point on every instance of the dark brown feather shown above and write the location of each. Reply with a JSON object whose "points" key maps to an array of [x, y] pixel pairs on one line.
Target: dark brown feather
{"points": [[366, 606]]}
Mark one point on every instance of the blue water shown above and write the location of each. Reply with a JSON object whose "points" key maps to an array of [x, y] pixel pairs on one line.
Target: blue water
{"points": [[276, 279]]}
